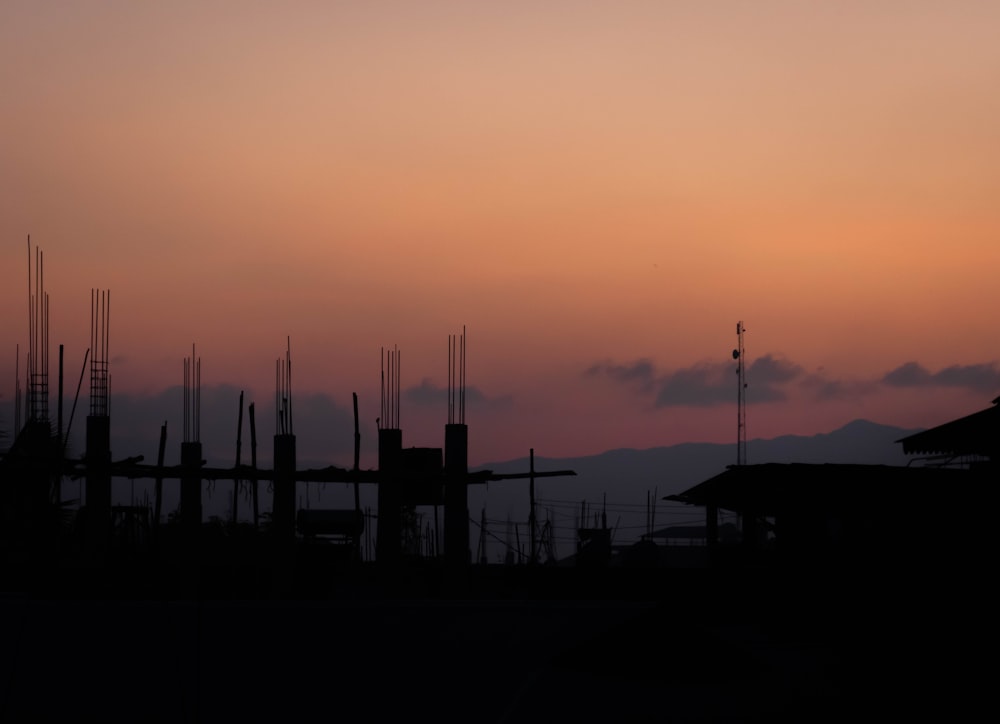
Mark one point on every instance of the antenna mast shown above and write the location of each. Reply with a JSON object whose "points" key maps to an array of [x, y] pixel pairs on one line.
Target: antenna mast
{"points": [[739, 354]]}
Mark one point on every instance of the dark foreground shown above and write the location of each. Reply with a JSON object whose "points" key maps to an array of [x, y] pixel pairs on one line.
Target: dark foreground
{"points": [[502, 645]]}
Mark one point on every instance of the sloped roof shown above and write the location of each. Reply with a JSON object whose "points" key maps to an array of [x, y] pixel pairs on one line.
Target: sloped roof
{"points": [[975, 434], [772, 488]]}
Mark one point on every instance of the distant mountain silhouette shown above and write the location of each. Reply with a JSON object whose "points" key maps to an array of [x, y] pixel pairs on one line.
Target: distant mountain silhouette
{"points": [[675, 467], [626, 476]]}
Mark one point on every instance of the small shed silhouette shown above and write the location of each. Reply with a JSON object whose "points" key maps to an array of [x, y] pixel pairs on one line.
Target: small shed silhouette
{"points": [[855, 515]]}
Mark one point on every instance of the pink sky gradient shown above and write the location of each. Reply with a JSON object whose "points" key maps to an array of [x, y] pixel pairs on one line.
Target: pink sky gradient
{"points": [[583, 185]]}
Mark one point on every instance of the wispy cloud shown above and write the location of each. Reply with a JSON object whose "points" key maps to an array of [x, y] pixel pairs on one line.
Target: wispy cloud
{"points": [[641, 372], [429, 394], [703, 384], [770, 370], [984, 377], [823, 388], [772, 378]]}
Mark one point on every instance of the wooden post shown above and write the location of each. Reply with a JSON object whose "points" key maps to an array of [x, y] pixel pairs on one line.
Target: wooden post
{"points": [[253, 465], [159, 475], [533, 549], [357, 456], [482, 538], [239, 446], [58, 485]]}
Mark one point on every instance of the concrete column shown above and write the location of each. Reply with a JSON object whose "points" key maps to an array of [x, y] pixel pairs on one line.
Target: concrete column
{"points": [[283, 510], [98, 490], [388, 541], [456, 494]]}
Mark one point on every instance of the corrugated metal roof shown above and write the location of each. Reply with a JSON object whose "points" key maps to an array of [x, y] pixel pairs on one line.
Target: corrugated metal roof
{"points": [[975, 434], [771, 488]]}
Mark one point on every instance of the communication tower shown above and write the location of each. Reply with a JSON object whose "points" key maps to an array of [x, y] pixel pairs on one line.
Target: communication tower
{"points": [[739, 354]]}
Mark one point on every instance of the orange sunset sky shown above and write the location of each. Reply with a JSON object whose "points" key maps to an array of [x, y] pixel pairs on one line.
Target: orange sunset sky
{"points": [[597, 191]]}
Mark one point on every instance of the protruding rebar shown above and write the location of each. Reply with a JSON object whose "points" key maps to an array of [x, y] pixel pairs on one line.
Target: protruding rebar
{"points": [[17, 389], [288, 361], [283, 393], [192, 398], [100, 383]]}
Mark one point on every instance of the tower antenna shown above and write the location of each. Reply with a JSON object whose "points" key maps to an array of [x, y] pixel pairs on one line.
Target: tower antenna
{"points": [[739, 354]]}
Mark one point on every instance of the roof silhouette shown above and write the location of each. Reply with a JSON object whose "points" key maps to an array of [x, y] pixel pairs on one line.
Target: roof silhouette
{"points": [[975, 434]]}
